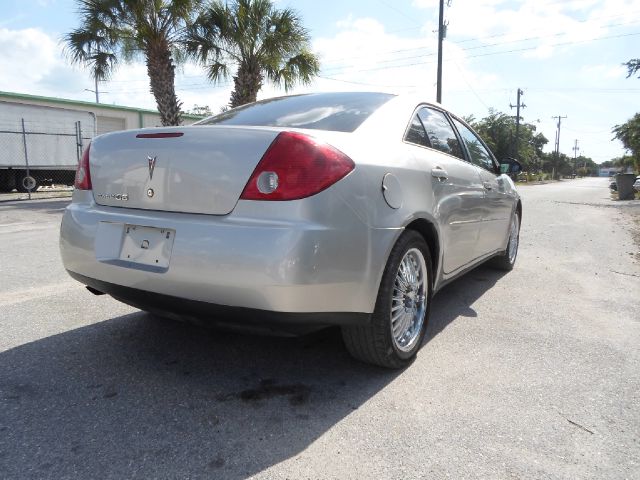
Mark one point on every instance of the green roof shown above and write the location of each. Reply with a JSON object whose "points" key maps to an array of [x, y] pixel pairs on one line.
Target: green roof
{"points": [[65, 101]]}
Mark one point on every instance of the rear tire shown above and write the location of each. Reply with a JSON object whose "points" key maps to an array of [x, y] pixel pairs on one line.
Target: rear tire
{"points": [[507, 260], [399, 321]]}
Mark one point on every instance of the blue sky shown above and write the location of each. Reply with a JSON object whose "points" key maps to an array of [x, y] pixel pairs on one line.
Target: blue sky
{"points": [[565, 55]]}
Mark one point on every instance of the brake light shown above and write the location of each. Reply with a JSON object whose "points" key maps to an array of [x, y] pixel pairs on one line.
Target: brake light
{"points": [[83, 176], [296, 166], [160, 135]]}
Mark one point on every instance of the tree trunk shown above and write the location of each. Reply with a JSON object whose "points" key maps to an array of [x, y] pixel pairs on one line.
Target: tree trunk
{"points": [[247, 83], [161, 73]]}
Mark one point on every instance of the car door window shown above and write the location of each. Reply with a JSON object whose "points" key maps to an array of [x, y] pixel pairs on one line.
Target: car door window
{"points": [[480, 156], [416, 134], [440, 132]]}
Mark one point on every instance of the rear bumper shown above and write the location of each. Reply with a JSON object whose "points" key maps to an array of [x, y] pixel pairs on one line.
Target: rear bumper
{"points": [[312, 256], [221, 315]]}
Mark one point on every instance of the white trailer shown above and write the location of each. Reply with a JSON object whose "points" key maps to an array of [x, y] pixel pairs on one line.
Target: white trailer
{"points": [[41, 145]]}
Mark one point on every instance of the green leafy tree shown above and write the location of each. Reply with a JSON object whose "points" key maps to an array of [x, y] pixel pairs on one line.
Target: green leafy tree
{"points": [[257, 41], [201, 110], [558, 165], [123, 30], [498, 130], [629, 134], [583, 172]]}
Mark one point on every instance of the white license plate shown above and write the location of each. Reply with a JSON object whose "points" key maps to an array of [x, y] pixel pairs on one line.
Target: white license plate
{"points": [[147, 245]]}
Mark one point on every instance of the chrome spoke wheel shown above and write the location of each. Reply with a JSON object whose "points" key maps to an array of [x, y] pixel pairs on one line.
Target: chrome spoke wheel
{"points": [[409, 300], [514, 236]]}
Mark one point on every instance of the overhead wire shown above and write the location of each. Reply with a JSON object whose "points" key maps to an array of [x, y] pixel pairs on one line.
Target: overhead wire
{"points": [[338, 70]]}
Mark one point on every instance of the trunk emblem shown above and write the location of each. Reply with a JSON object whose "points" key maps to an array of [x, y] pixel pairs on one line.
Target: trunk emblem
{"points": [[150, 192], [152, 165]]}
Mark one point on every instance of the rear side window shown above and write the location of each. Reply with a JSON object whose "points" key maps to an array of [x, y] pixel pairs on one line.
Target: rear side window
{"points": [[340, 112], [440, 132], [480, 156], [416, 134]]}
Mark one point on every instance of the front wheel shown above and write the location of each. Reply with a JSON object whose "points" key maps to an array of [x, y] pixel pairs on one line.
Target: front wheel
{"points": [[399, 321], [507, 260]]}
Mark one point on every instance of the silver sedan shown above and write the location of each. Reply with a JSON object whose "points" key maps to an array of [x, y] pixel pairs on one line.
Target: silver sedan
{"points": [[295, 213]]}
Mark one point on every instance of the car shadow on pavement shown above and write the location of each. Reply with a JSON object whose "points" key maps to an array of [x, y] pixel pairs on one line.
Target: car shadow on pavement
{"points": [[141, 397], [456, 299]]}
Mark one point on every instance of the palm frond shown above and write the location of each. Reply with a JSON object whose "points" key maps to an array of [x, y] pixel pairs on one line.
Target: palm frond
{"points": [[300, 68], [253, 34], [218, 71]]}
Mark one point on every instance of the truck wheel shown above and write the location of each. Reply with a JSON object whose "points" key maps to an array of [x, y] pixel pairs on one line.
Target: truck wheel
{"points": [[26, 182], [399, 321]]}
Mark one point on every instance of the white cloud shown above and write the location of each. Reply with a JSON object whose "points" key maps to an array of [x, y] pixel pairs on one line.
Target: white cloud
{"points": [[603, 71], [363, 56], [33, 63], [28, 56], [538, 27]]}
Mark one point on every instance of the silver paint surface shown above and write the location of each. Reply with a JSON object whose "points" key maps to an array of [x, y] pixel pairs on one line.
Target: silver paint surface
{"points": [[325, 253]]}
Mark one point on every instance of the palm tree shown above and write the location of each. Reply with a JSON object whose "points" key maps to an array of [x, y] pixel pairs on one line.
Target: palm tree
{"points": [[258, 40], [114, 30]]}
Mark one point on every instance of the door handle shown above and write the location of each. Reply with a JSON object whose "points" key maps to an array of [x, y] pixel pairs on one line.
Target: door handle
{"points": [[487, 185], [439, 173]]}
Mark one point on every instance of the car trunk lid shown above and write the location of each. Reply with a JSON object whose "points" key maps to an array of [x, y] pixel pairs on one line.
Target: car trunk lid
{"points": [[197, 169]]}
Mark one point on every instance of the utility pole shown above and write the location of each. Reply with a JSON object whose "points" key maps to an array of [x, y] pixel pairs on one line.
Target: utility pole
{"points": [[96, 91], [442, 33], [575, 155], [557, 149], [518, 106]]}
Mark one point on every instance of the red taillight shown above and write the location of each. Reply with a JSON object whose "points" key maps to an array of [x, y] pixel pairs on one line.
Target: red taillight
{"points": [[296, 166], [83, 176]]}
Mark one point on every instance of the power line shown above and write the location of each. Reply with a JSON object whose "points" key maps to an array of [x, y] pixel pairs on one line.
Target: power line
{"points": [[501, 52], [561, 44], [469, 85], [382, 2], [366, 84], [538, 37]]}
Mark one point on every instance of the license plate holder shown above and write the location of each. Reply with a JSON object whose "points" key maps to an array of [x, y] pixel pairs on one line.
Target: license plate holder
{"points": [[149, 246]]}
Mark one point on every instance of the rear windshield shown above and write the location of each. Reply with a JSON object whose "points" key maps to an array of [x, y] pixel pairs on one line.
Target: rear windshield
{"points": [[340, 112]]}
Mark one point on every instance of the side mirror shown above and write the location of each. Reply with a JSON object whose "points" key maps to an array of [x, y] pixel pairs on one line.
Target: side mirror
{"points": [[510, 166]]}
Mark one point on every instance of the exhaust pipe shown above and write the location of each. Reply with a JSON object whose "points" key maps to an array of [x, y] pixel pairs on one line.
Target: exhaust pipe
{"points": [[94, 291]]}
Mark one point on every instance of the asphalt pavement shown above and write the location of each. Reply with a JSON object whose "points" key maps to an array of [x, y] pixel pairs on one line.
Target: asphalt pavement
{"points": [[534, 374]]}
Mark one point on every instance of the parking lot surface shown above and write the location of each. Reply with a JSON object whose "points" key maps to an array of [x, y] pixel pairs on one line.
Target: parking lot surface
{"points": [[531, 374]]}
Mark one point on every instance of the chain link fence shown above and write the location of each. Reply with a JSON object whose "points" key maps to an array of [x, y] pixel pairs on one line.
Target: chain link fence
{"points": [[41, 150]]}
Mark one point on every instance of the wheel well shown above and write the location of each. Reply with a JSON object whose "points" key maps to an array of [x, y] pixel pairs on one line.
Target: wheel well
{"points": [[430, 235]]}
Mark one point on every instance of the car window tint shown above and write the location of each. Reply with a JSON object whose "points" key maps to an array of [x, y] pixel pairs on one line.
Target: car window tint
{"points": [[416, 134], [340, 112], [480, 156], [440, 132]]}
